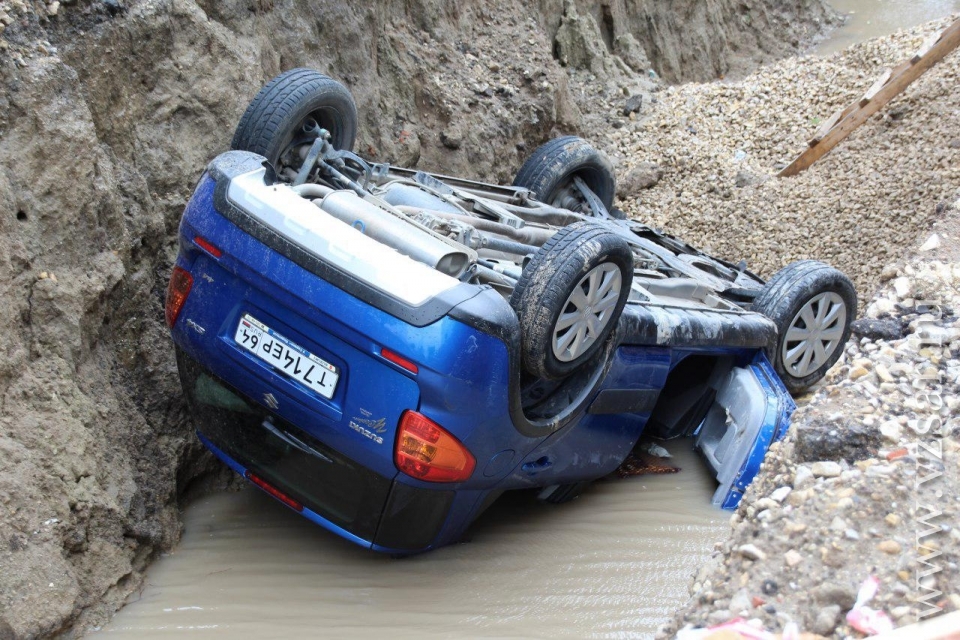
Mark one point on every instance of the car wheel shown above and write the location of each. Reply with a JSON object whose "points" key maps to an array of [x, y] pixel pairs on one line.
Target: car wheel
{"points": [[570, 296], [285, 117], [550, 171], [812, 305]]}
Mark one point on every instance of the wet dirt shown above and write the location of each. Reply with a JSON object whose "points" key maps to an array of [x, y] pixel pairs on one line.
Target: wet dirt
{"points": [[613, 563], [872, 18]]}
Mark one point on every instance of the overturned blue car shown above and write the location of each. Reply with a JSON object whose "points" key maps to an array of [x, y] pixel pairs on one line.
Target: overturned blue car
{"points": [[387, 351]]}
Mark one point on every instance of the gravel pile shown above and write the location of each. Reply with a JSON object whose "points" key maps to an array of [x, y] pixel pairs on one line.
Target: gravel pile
{"points": [[865, 484], [718, 146], [12, 11]]}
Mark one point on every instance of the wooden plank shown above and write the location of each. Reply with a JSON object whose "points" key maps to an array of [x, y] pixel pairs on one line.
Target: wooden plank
{"points": [[828, 124], [925, 47], [871, 93], [901, 77]]}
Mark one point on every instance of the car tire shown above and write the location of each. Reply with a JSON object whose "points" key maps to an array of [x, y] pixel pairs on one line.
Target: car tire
{"points": [[550, 169], [804, 298], [582, 266], [273, 124]]}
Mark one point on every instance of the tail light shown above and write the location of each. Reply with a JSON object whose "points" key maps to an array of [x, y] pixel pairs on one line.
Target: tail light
{"points": [[207, 246], [179, 288], [273, 491], [399, 360], [427, 451]]}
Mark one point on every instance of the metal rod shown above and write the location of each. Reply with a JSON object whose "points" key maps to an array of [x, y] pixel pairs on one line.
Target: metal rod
{"points": [[527, 235], [507, 246]]}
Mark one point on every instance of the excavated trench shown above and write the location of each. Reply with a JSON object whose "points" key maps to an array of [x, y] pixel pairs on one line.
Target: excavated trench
{"points": [[614, 562], [108, 112]]}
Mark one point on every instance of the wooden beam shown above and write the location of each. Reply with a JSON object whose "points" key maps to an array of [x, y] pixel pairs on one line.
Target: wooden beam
{"points": [[871, 93], [925, 47], [829, 124], [936, 47]]}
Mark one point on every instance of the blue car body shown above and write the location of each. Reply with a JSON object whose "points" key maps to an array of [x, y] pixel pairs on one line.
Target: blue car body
{"points": [[332, 459]]}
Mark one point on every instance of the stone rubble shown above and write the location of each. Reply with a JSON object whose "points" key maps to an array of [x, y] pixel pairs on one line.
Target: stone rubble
{"points": [[716, 147], [891, 513], [866, 482]]}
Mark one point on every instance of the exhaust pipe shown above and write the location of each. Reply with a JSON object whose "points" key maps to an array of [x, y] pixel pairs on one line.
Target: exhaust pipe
{"points": [[407, 237]]}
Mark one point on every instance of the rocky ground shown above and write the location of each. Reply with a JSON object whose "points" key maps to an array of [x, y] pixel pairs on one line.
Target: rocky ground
{"points": [[718, 145], [866, 483]]}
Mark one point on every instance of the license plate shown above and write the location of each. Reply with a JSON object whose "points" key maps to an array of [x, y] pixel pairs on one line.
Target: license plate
{"points": [[287, 356]]}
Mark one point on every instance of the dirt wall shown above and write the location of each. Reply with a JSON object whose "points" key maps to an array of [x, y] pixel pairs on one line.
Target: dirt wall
{"points": [[108, 113], [700, 41]]}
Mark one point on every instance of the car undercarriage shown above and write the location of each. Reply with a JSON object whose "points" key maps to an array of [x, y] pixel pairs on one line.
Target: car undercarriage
{"points": [[441, 340]]}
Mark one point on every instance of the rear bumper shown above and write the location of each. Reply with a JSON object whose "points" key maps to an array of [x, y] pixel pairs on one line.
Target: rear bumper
{"points": [[339, 494], [751, 411]]}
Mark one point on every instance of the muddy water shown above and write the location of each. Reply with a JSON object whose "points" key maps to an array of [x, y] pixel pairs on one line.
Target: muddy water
{"points": [[614, 563], [871, 18]]}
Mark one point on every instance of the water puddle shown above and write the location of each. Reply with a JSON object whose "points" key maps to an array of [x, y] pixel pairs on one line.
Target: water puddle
{"points": [[614, 563], [872, 18]]}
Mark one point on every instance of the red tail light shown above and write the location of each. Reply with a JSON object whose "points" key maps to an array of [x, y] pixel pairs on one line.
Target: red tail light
{"points": [[207, 246], [426, 451], [273, 491], [180, 284], [399, 360]]}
